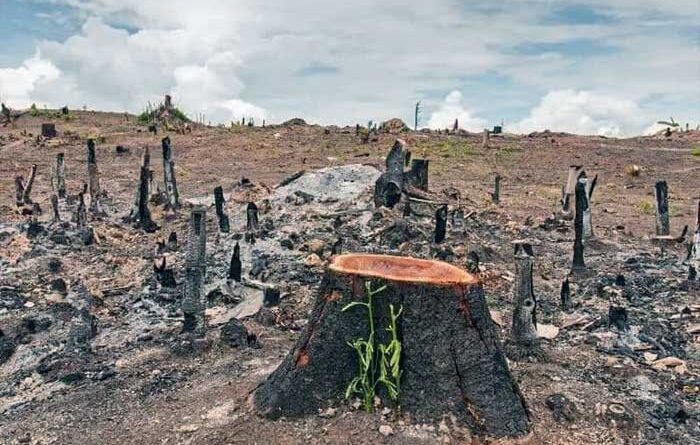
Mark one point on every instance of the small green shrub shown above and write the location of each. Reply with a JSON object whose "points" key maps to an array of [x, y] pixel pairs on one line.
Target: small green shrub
{"points": [[646, 207], [695, 151]]}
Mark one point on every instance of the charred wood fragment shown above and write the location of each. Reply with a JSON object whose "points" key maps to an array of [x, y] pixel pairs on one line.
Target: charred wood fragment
{"points": [[221, 215], [617, 316], [55, 216], [418, 174], [252, 224], [165, 275], [565, 295], [473, 262], [389, 185], [172, 242], [496, 195], [271, 296]]}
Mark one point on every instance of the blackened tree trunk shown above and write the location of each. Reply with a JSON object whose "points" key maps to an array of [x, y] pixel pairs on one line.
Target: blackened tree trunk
{"points": [[565, 295], [234, 271], [524, 329], [695, 248], [173, 198], [418, 175], [81, 212], [195, 269], [568, 190], [221, 215], [663, 227], [579, 264], [93, 178], [144, 214], [388, 188], [60, 176], [172, 242], [440, 224], [27, 193], [496, 195], [451, 359], [252, 224]]}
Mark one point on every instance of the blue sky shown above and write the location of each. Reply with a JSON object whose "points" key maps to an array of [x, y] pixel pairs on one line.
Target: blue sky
{"points": [[593, 66]]}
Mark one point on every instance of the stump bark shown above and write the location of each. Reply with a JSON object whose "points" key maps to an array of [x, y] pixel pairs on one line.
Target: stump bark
{"points": [[451, 361], [60, 175], [195, 270], [173, 196], [579, 265], [569, 188]]}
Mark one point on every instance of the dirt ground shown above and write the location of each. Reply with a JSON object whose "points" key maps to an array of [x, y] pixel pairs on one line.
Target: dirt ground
{"points": [[134, 388]]}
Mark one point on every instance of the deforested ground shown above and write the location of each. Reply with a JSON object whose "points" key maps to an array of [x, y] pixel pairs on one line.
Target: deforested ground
{"points": [[91, 352]]}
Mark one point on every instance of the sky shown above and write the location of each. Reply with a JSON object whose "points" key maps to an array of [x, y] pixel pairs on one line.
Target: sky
{"points": [[608, 67]]}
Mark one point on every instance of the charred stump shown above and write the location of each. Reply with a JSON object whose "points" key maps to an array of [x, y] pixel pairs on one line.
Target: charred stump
{"points": [[579, 264], [234, 270], [93, 178], [440, 224], [48, 130], [221, 215], [524, 341], [451, 362], [252, 226], [389, 186], [143, 214], [695, 248], [80, 216], [663, 227], [565, 295], [27, 193], [485, 139], [172, 242], [195, 270], [418, 174], [569, 189], [19, 191], [173, 198], [496, 195], [60, 176]]}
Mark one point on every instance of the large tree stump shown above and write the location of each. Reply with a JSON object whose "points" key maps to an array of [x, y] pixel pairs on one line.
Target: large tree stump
{"points": [[451, 360]]}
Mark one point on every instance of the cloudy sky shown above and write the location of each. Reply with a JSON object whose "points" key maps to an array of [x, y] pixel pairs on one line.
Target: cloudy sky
{"points": [[592, 67]]}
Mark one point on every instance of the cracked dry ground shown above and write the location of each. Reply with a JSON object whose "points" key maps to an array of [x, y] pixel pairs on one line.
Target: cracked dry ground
{"points": [[135, 386]]}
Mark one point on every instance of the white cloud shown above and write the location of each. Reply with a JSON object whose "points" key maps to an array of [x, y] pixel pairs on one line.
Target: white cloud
{"points": [[17, 84], [452, 108], [584, 112]]}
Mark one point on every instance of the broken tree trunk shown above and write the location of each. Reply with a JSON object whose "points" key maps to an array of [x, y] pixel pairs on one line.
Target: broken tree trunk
{"points": [[695, 248], [221, 215], [173, 198], [524, 329], [60, 176], [485, 140], [496, 195], [663, 227], [568, 189], [418, 174], [587, 216], [451, 362], [195, 270], [81, 212], [388, 188], [26, 194], [579, 264], [93, 178]]}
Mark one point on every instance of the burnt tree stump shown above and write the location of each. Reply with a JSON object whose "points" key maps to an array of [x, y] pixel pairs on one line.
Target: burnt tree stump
{"points": [[663, 227], [569, 188], [234, 270], [48, 131], [389, 186], [143, 214], [579, 265], [60, 176], [93, 178], [173, 197], [195, 269], [496, 195], [587, 216], [451, 361], [27, 193], [418, 174], [695, 248], [221, 216]]}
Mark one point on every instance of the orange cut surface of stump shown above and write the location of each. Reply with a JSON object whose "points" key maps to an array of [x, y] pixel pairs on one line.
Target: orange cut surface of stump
{"points": [[403, 269]]}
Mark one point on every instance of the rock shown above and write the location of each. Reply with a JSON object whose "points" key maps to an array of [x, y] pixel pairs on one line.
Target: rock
{"points": [[327, 414], [59, 285], [547, 331], [386, 430], [234, 334], [562, 408], [316, 246], [313, 260]]}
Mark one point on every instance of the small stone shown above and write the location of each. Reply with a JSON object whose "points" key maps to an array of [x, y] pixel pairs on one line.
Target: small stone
{"points": [[386, 430], [327, 414], [562, 408], [313, 260]]}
